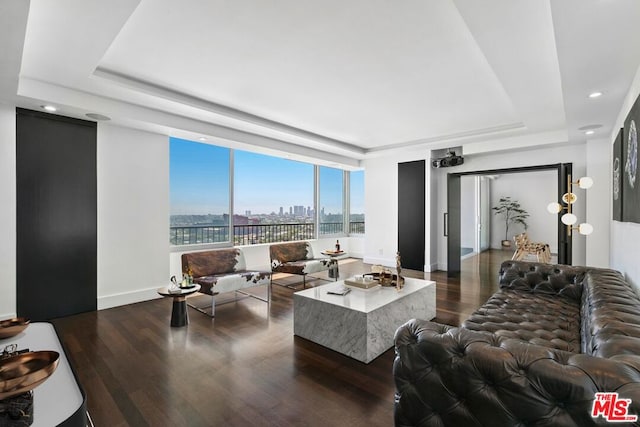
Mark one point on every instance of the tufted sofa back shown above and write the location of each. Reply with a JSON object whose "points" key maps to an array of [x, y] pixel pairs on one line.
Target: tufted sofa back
{"points": [[552, 279], [507, 364], [610, 315], [449, 376]]}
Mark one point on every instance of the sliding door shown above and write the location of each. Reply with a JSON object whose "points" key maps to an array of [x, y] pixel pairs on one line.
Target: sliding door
{"points": [[56, 226], [411, 211]]}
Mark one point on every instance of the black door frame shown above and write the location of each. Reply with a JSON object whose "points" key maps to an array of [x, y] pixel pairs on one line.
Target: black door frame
{"points": [[452, 216]]}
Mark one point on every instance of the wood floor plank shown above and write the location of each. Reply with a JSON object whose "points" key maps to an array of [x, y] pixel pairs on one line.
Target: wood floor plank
{"points": [[244, 367]]}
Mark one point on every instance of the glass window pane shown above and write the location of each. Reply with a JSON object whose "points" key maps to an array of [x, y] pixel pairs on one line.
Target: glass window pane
{"points": [[331, 196], [199, 192], [273, 199], [356, 202]]}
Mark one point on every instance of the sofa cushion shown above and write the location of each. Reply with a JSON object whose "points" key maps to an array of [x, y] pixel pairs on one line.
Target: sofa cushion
{"points": [[232, 281], [290, 251], [214, 262], [549, 320]]}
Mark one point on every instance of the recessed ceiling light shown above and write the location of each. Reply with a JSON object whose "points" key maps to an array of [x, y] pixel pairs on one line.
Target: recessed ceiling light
{"points": [[590, 127], [590, 132], [202, 138], [595, 94], [99, 117], [49, 108]]}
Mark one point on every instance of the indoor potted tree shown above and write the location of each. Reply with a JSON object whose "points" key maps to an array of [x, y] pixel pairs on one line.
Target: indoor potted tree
{"points": [[513, 214]]}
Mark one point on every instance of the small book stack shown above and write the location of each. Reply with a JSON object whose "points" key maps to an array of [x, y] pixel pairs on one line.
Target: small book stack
{"points": [[361, 283]]}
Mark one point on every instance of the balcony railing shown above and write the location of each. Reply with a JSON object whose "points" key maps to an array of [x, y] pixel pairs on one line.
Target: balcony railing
{"points": [[255, 234], [271, 233], [196, 234], [356, 227]]}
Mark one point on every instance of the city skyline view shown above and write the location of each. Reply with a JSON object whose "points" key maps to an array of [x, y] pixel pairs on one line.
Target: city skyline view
{"points": [[199, 182]]}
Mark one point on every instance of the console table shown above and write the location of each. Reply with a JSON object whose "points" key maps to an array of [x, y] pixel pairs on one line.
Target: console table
{"points": [[59, 400]]}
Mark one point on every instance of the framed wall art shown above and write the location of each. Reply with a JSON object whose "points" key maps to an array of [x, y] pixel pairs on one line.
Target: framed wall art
{"points": [[629, 171], [616, 179]]}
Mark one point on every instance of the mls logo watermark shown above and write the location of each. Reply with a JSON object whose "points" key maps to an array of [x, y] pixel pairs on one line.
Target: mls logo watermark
{"points": [[612, 408]]}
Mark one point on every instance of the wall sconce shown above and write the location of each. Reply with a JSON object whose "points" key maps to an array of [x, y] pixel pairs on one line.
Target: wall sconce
{"points": [[569, 198]]}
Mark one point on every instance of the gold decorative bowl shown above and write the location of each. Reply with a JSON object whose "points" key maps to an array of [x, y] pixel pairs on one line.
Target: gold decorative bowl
{"points": [[11, 327], [26, 371]]}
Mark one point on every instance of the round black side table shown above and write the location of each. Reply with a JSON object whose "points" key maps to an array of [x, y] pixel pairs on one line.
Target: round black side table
{"points": [[179, 315]]}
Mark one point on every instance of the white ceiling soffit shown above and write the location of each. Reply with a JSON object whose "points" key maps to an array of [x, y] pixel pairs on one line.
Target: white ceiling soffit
{"points": [[599, 50], [346, 78], [408, 71], [13, 23]]}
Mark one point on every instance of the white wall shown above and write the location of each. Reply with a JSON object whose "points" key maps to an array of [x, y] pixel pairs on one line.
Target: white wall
{"points": [[381, 194], [8, 211], [599, 161], [534, 191], [381, 205], [133, 215]]}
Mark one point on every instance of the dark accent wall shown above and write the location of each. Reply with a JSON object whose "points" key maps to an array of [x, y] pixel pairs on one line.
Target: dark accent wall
{"points": [[56, 215], [453, 226], [411, 214]]}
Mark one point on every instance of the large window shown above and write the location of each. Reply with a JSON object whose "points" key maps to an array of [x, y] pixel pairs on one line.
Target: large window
{"points": [[199, 193], [273, 199], [331, 217], [356, 202]]}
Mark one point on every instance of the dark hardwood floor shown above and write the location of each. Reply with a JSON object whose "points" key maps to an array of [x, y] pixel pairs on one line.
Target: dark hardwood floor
{"points": [[244, 367]]}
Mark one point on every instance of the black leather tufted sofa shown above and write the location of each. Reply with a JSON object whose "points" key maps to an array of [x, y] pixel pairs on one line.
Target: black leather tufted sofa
{"points": [[534, 355]]}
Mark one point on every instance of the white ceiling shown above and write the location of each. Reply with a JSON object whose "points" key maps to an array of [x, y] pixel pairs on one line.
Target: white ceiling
{"points": [[334, 80]]}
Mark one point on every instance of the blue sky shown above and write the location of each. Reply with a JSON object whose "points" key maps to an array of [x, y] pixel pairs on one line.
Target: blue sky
{"points": [[199, 175]]}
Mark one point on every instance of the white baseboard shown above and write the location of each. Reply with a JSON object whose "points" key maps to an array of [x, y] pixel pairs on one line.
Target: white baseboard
{"points": [[469, 255], [116, 300], [442, 267], [428, 268], [8, 316]]}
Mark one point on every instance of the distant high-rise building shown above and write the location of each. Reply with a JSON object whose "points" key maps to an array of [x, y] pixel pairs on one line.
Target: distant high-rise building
{"points": [[298, 210], [247, 213], [309, 211], [281, 211], [290, 210]]}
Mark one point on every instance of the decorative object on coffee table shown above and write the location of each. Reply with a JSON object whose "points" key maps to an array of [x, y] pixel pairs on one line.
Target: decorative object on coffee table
{"points": [[400, 279], [386, 277]]}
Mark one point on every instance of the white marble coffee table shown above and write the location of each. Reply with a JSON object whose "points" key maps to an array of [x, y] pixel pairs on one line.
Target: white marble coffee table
{"points": [[362, 323]]}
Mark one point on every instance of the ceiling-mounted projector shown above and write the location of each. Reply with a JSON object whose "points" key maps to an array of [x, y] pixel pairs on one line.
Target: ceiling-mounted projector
{"points": [[451, 159]]}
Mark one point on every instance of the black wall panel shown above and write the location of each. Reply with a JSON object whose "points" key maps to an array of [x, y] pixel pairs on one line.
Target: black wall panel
{"points": [[56, 215], [453, 225], [411, 211]]}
